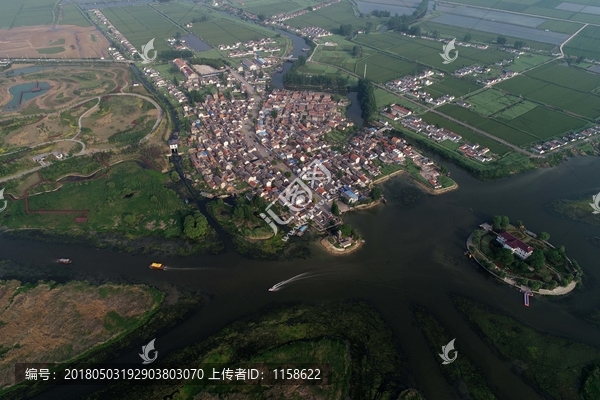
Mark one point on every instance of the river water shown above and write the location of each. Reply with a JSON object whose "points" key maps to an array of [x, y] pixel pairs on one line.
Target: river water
{"points": [[413, 255]]}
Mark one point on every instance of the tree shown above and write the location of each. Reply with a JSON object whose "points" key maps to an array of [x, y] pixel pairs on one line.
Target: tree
{"points": [[195, 226], [501, 40], [174, 176], [506, 257], [467, 37], [345, 29], [500, 222], [177, 35], [356, 51], [335, 209], [537, 259], [544, 236], [519, 223], [287, 174], [376, 193], [273, 114], [519, 44], [369, 26]]}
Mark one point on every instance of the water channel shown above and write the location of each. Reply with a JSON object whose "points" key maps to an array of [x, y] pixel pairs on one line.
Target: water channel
{"points": [[413, 255]]}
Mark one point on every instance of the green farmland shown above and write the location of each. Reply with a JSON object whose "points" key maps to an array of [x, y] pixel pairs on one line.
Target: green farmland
{"points": [[70, 15], [26, 13], [453, 86], [273, 7], [561, 87], [490, 101], [331, 18], [586, 43], [140, 24]]}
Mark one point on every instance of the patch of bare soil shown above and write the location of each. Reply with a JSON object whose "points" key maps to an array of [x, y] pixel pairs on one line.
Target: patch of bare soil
{"points": [[26, 41], [54, 324]]}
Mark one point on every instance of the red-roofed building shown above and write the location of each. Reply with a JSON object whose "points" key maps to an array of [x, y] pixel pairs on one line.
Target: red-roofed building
{"points": [[513, 244]]}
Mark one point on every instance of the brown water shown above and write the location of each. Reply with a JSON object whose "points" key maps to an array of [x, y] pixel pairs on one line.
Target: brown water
{"points": [[413, 254]]}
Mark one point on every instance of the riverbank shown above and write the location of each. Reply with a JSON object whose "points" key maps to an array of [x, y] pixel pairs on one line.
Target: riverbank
{"points": [[558, 291], [419, 183], [331, 249]]}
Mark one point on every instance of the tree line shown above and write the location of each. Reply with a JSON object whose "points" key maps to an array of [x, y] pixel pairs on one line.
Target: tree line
{"points": [[366, 98]]}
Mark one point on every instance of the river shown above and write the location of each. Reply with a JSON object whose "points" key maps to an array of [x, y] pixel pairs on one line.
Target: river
{"points": [[413, 255]]}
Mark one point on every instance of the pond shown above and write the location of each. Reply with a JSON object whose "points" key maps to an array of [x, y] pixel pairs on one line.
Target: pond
{"points": [[195, 43], [24, 92]]}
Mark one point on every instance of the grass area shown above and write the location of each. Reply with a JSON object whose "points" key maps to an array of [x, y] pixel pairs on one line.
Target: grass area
{"points": [[553, 364], [578, 209], [70, 15], [51, 50], [92, 318], [462, 370], [128, 199], [350, 337]]}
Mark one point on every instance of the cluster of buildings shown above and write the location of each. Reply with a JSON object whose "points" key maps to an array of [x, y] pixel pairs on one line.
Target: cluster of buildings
{"points": [[396, 112], [416, 124], [115, 54], [471, 70], [412, 84], [221, 154], [160, 82], [311, 32], [285, 16], [476, 152], [447, 98], [250, 48], [571, 137], [115, 33], [506, 74], [177, 44]]}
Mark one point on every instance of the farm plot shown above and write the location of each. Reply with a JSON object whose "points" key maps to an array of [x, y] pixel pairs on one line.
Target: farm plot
{"points": [[515, 110], [221, 31], [545, 123], [70, 15], [490, 101], [466, 133], [140, 24], [26, 13], [577, 102], [489, 125], [330, 18], [586, 43], [498, 16], [273, 7], [382, 68], [454, 86], [523, 32]]}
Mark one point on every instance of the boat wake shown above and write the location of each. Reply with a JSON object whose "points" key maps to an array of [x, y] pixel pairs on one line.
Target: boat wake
{"points": [[296, 278], [186, 269]]}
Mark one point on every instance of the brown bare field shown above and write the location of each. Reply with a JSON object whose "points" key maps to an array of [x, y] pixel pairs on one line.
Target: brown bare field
{"points": [[26, 41], [55, 324]]}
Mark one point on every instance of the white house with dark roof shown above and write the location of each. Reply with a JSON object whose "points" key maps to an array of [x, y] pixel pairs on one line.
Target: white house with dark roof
{"points": [[508, 241]]}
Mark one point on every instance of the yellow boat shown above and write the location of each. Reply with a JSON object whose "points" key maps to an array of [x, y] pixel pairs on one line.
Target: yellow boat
{"points": [[158, 266]]}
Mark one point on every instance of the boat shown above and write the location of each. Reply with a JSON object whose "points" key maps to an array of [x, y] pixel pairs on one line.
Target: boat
{"points": [[470, 209], [526, 296], [274, 288], [157, 266], [65, 261], [306, 49]]}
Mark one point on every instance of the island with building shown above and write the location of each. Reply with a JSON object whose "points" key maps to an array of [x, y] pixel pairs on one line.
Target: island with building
{"points": [[523, 259]]}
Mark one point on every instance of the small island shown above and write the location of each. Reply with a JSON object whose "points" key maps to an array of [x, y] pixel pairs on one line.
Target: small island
{"points": [[522, 258]]}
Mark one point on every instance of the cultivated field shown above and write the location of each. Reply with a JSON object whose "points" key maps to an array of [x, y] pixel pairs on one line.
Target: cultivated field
{"points": [[67, 41], [70, 15], [17, 13], [586, 43], [272, 7], [54, 323], [331, 18], [561, 87]]}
